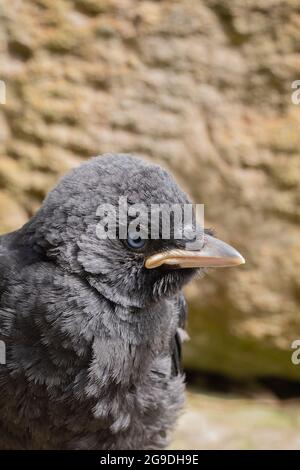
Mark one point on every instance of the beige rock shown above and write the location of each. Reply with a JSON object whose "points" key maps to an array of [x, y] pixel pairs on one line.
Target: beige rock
{"points": [[205, 89], [11, 214], [212, 422]]}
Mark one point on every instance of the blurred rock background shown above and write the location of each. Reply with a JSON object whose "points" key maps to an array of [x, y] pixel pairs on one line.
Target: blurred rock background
{"points": [[204, 88]]}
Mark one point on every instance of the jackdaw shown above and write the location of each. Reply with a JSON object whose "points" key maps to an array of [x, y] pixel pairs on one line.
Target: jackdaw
{"points": [[93, 325]]}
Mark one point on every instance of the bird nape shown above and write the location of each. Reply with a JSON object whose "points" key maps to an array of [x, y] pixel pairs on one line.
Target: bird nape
{"points": [[93, 325]]}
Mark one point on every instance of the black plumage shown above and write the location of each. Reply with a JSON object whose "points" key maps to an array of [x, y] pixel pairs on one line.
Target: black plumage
{"points": [[92, 336]]}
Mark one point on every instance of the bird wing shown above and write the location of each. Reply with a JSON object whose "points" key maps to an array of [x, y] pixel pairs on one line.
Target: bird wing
{"points": [[176, 344]]}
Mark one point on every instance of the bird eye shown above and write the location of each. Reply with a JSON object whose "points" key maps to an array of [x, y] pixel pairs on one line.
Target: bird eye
{"points": [[135, 242]]}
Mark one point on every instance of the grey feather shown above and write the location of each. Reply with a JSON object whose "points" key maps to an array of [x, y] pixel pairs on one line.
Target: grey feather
{"points": [[92, 347]]}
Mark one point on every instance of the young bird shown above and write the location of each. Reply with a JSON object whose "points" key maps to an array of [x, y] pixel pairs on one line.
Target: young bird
{"points": [[92, 326]]}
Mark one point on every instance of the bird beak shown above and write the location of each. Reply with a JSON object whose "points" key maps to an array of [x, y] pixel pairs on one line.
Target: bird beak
{"points": [[214, 253]]}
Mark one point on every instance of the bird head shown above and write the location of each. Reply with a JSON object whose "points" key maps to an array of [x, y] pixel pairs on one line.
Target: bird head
{"points": [[131, 270]]}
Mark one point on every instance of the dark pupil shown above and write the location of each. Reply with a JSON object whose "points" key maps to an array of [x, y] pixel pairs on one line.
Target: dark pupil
{"points": [[137, 242]]}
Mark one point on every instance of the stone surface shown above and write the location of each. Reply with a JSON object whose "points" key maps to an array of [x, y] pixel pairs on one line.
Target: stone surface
{"points": [[233, 423], [205, 89]]}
